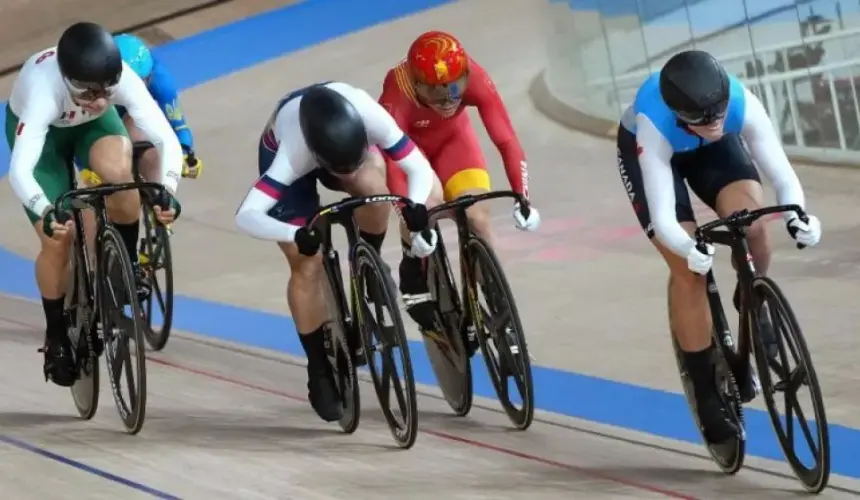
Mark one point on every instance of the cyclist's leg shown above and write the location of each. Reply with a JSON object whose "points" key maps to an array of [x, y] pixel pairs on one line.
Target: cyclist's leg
{"points": [[368, 180], [53, 260], [462, 171], [726, 179], [103, 147], [297, 203], [413, 281], [689, 313], [149, 165]]}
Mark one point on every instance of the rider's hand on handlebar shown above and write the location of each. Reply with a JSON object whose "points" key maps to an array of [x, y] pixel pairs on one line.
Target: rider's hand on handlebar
{"points": [[167, 208], [192, 167], [416, 217], [421, 245], [700, 262], [52, 228], [805, 233], [308, 241], [523, 223]]}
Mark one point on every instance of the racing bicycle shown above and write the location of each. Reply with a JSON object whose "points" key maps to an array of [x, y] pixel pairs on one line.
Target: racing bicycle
{"points": [[366, 319], [154, 256], [733, 366], [494, 324], [102, 306]]}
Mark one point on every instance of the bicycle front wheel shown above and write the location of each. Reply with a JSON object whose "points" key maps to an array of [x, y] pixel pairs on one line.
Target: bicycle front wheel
{"points": [[157, 262], [811, 465], [123, 328], [500, 333], [386, 347]]}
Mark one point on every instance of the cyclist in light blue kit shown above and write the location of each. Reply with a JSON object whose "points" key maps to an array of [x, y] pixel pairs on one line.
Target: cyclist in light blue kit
{"points": [[694, 124], [163, 89]]}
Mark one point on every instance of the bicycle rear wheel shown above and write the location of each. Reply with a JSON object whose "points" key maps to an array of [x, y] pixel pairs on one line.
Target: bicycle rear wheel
{"points": [[123, 329], [155, 259], [382, 332], [82, 329], [791, 343], [502, 341], [339, 354], [449, 359]]}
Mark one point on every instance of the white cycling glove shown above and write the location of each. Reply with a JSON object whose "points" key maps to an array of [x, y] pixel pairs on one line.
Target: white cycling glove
{"points": [[698, 262], [526, 224], [808, 233], [421, 247]]}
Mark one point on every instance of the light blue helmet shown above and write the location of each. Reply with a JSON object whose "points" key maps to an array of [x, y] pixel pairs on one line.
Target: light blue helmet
{"points": [[135, 53]]}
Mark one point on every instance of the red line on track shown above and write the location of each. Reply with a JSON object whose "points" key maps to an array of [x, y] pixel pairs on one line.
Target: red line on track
{"points": [[443, 435]]}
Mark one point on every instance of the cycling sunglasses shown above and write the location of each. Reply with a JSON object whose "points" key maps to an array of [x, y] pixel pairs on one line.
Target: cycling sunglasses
{"points": [[442, 94], [706, 117], [91, 91]]}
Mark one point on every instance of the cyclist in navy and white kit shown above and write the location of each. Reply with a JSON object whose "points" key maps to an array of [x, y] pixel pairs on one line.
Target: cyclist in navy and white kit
{"points": [[328, 133], [686, 124]]}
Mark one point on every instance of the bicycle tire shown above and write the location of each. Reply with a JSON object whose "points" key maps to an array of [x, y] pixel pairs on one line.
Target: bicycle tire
{"points": [[156, 245], [80, 311], [366, 258], [340, 355], [453, 374], [110, 243], [477, 249], [729, 464], [815, 479]]}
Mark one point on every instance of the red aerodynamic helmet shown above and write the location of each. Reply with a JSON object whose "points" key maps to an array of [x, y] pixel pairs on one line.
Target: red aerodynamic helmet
{"points": [[437, 58]]}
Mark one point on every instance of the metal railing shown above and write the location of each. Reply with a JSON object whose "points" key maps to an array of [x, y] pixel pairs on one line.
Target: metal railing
{"points": [[635, 78], [816, 107]]}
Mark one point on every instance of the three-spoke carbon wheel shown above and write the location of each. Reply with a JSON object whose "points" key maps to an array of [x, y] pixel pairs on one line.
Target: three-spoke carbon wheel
{"points": [[500, 334], [157, 264], [790, 373], [386, 347], [123, 329]]}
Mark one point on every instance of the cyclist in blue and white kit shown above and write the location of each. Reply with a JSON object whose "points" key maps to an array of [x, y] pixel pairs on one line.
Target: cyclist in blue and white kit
{"points": [[686, 123], [163, 89]]}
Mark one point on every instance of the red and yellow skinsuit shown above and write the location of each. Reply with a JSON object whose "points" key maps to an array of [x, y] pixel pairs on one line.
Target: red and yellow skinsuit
{"points": [[450, 143]]}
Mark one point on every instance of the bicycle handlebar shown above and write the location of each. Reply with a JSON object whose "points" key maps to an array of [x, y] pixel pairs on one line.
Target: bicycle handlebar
{"points": [[101, 191], [350, 204], [468, 200], [745, 218]]}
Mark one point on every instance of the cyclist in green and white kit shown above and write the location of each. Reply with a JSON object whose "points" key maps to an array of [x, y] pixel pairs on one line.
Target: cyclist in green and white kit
{"points": [[62, 106]]}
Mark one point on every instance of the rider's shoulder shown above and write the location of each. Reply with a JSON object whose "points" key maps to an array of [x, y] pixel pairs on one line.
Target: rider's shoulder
{"points": [[44, 60]]}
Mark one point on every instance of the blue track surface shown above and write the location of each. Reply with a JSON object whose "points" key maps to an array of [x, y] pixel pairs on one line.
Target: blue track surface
{"points": [[248, 42]]}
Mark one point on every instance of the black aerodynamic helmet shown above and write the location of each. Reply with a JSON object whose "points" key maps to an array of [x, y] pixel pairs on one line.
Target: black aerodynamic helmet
{"points": [[695, 87], [88, 57], [333, 130]]}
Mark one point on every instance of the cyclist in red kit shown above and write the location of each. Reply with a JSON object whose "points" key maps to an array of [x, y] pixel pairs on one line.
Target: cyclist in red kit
{"points": [[427, 94]]}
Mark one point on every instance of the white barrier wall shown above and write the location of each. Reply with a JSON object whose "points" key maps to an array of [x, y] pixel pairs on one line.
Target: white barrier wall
{"points": [[803, 60]]}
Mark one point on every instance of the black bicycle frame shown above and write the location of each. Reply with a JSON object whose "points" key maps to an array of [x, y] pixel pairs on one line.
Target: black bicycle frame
{"points": [[734, 237], [464, 231]]}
